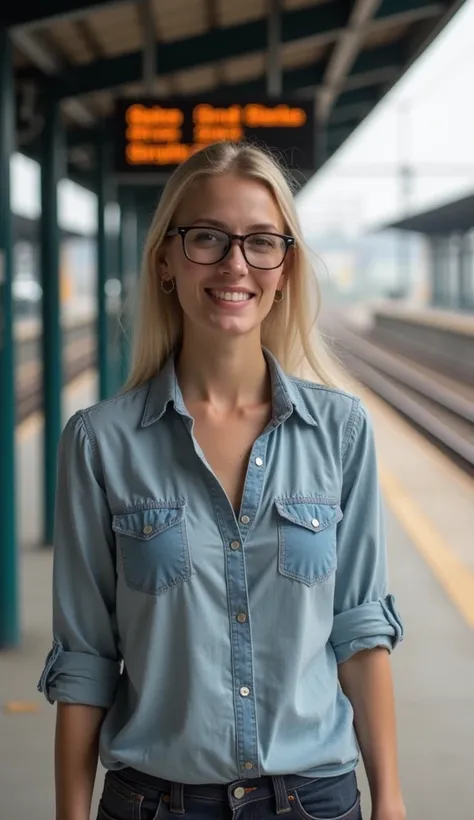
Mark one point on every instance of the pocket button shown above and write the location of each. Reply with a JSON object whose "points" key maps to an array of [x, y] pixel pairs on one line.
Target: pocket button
{"points": [[147, 530], [315, 523]]}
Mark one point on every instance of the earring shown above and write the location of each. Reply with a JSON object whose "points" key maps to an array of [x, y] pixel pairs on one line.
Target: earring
{"points": [[167, 286], [279, 296]]}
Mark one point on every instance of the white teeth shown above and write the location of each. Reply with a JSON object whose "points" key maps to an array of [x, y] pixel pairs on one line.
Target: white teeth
{"points": [[231, 296]]}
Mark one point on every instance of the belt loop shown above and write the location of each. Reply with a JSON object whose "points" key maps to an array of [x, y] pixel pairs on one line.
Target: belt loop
{"points": [[281, 797], [177, 798]]}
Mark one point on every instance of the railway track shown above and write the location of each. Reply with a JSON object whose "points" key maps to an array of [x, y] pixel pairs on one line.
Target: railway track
{"points": [[440, 406], [79, 356]]}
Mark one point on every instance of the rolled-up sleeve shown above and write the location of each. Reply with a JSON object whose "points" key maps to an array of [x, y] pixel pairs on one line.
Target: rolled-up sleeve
{"points": [[83, 665], [365, 615]]}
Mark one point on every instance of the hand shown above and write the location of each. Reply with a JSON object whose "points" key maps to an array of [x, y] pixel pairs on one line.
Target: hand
{"points": [[389, 810]]}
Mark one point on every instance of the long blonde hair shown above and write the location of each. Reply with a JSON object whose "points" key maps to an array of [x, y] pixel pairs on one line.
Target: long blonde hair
{"points": [[289, 331]]}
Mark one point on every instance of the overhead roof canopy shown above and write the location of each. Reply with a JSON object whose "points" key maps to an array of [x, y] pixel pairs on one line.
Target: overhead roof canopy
{"points": [[446, 219], [345, 54]]}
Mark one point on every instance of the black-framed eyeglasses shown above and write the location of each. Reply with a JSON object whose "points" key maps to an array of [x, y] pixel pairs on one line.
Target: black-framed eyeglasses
{"points": [[208, 246]]}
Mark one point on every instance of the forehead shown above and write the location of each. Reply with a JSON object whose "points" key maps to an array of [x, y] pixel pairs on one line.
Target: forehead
{"points": [[232, 200]]}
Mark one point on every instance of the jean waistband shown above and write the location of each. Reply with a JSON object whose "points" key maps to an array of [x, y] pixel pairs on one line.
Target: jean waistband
{"points": [[235, 794]]}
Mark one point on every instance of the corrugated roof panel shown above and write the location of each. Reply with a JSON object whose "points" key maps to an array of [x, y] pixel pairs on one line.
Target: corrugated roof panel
{"points": [[294, 54], [162, 88], [179, 19], [240, 69], [117, 28], [70, 41], [195, 80], [380, 35], [231, 12]]}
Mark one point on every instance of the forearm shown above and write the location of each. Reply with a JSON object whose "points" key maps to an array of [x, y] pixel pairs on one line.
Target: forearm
{"points": [[366, 680], [76, 757]]}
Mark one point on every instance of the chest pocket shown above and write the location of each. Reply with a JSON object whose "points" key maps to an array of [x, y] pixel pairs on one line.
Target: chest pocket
{"points": [[154, 547], [307, 538]]}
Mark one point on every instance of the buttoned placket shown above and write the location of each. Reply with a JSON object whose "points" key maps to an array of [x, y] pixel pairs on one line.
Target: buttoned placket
{"points": [[234, 532]]}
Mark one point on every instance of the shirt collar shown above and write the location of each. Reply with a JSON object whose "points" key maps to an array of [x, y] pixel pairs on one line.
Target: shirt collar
{"points": [[164, 390]]}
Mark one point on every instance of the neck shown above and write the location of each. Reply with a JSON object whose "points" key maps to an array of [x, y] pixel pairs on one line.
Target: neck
{"points": [[227, 373]]}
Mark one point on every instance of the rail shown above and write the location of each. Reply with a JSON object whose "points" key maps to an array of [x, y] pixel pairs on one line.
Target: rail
{"points": [[440, 406], [79, 355]]}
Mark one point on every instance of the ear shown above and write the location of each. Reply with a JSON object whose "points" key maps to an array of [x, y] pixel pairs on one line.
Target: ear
{"points": [[162, 263]]}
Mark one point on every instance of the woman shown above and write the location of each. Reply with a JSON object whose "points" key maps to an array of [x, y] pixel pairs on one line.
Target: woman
{"points": [[221, 622]]}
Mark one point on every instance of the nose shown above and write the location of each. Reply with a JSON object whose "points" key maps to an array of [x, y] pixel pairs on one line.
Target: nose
{"points": [[234, 261]]}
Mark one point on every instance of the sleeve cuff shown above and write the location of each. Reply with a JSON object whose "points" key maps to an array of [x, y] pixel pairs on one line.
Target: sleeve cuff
{"points": [[76, 677], [367, 626]]}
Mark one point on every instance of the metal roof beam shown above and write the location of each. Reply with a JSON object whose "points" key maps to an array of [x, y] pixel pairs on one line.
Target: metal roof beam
{"points": [[325, 21], [32, 15], [344, 54], [46, 60]]}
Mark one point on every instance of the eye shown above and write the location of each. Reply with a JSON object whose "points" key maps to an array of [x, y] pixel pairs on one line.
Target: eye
{"points": [[205, 237]]}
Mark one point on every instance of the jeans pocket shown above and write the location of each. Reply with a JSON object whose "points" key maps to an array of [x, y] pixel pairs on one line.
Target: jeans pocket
{"points": [[119, 801], [154, 547], [328, 798], [307, 538]]}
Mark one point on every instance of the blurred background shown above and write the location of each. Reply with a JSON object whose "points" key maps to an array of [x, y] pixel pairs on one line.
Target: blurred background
{"points": [[384, 170]]}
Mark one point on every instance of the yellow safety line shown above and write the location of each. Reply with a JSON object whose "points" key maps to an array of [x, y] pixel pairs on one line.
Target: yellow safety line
{"points": [[454, 576]]}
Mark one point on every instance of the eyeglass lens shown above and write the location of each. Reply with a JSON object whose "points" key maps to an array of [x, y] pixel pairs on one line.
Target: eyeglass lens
{"points": [[208, 246]]}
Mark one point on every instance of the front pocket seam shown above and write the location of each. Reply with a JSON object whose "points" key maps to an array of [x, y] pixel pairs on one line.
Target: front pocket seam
{"points": [[309, 499], [180, 579], [125, 792], [295, 575], [307, 816]]}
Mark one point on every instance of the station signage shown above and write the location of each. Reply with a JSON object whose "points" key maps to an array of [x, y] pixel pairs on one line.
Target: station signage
{"points": [[158, 135]]}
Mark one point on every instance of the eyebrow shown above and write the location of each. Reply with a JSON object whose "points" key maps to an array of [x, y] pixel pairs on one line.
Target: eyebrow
{"points": [[206, 220]]}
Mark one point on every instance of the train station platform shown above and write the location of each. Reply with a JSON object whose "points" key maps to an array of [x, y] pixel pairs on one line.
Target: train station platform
{"points": [[430, 520]]}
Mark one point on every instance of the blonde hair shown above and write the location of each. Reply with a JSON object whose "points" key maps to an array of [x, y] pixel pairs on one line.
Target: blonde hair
{"points": [[289, 331]]}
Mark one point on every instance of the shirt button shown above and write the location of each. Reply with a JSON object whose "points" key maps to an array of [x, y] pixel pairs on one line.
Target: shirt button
{"points": [[248, 765], [239, 792], [244, 691], [235, 545], [259, 462], [315, 523], [147, 530], [245, 519], [242, 617]]}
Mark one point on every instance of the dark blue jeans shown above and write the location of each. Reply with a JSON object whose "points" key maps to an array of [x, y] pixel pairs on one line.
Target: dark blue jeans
{"points": [[130, 795]]}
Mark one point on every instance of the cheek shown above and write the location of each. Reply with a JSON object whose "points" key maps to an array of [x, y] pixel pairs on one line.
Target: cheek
{"points": [[269, 282]]}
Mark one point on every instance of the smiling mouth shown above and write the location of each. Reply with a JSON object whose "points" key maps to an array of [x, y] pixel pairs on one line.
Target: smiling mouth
{"points": [[229, 295]]}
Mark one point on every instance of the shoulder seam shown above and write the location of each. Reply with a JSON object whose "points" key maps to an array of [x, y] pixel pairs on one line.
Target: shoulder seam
{"points": [[92, 439], [112, 399], [350, 426], [314, 386]]}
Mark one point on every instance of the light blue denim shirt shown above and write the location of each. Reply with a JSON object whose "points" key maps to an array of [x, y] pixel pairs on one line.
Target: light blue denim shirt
{"points": [[213, 640]]}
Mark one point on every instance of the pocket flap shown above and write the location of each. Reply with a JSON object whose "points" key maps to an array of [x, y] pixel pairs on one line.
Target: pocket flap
{"points": [[146, 524], [315, 515]]}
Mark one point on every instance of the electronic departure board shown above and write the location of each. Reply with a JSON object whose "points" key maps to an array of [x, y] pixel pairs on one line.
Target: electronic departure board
{"points": [[158, 135]]}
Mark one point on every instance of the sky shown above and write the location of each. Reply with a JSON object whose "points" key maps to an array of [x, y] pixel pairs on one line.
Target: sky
{"points": [[427, 120]]}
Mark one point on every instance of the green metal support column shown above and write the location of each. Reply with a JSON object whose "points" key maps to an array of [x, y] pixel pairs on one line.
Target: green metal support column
{"points": [[52, 165], [102, 327], [9, 598]]}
